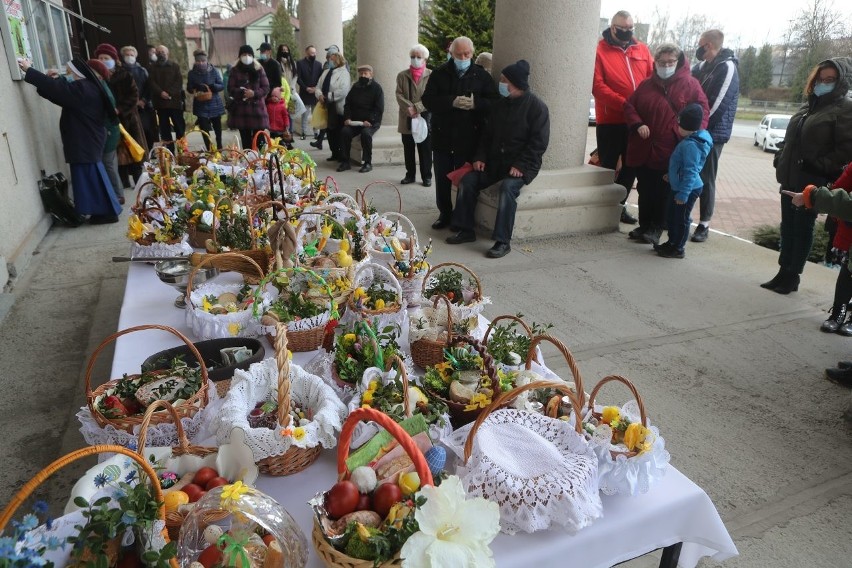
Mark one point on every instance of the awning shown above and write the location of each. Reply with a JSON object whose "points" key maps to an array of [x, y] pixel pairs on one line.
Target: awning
{"points": [[76, 15]]}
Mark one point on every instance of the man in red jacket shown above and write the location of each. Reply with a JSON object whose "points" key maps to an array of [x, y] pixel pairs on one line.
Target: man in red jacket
{"points": [[621, 63]]}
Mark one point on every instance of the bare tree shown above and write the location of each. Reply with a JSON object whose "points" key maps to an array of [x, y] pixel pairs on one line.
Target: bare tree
{"points": [[659, 27], [813, 31]]}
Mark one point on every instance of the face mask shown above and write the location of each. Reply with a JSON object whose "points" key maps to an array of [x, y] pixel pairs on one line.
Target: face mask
{"points": [[130, 59], [700, 53], [153, 57], [69, 78], [461, 64], [503, 88], [329, 65], [312, 58], [246, 59], [417, 62], [623, 35], [363, 81], [821, 89], [109, 64], [665, 72], [261, 57], [449, 56], [201, 65]]}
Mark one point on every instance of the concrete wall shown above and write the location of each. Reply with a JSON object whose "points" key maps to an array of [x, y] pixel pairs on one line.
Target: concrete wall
{"points": [[29, 142]]}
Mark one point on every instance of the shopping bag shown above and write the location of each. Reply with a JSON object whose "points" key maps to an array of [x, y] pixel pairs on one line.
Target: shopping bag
{"points": [[296, 106], [54, 195], [419, 129], [135, 149], [319, 119], [456, 176]]}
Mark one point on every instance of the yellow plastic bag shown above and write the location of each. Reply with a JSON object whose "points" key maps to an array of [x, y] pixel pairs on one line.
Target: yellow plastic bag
{"points": [[319, 119], [135, 149]]}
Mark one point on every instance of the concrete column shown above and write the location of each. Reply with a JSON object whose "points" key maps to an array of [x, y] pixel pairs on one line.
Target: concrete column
{"points": [[321, 25], [568, 196], [386, 31]]}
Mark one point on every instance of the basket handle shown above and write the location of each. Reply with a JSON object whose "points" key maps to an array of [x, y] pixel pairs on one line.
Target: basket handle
{"points": [[395, 361], [336, 189], [42, 476], [257, 134], [164, 156], [412, 229], [206, 259], [283, 363], [449, 315], [116, 335], [362, 193], [184, 447], [394, 429], [626, 382], [516, 319], [270, 203], [150, 204], [297, 269], [138, 203], [392, 280], [456, 264], [505, 397], [572, 363], [487, 360], [274, 163], [345, 198]]}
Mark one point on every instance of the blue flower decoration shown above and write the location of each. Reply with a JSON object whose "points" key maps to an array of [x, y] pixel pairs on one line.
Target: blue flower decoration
{"points": [[29, 522], [131, 476], [40, 507], [101, 480]]}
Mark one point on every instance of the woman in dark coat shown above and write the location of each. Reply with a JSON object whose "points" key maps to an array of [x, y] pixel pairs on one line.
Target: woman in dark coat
{"points": [[248, 87], [201, 78], [85, 111]]}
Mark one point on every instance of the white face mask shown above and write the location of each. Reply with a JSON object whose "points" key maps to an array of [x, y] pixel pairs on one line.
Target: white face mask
{"points": [[130, 59], [246, 59], [109, 64], [417, 62], [665, 72], [153, 57]]}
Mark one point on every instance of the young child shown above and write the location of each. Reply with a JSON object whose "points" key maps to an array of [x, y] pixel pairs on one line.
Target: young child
{"points": [[279, 118], [685, 166]]}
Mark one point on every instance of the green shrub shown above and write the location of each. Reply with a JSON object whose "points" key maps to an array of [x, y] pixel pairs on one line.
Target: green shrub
{"points": [[769, 236]]}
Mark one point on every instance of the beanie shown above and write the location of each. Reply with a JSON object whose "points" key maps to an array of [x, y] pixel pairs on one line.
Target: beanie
{"points": [[518, 74], [690, 117], [246, 49], [107, 49], [98, 67]]}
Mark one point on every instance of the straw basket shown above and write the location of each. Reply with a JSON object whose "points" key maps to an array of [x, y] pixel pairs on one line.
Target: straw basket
{"points": [[515, 319], [468, 307], [45, 473], [428, 352], [127, 424], [597, 415], [378, 241], [327, 553], [145, 213], [375, 272], [361, 196]]}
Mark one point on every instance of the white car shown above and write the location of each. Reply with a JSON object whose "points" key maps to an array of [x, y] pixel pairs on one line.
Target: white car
{"points": [[770, 132]]}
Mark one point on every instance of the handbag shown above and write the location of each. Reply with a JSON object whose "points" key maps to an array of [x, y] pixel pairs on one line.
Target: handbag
{"points": [[205, 95], [296, 107], [419, 129], [319, 118], [135, 149], [54, 195]]}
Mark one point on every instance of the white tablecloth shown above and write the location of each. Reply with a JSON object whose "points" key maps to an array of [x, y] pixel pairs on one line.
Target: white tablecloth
{"points": [[675, 510]]}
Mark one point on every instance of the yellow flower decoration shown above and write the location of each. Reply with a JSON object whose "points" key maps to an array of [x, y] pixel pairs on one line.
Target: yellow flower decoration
{"points": [[479, 400], [359, 292], [135, 228], [326, 231], [234, 329], [349, 338], [298, 434], [609, 414], [634, 436], [205, 304], [445, 369], [367, 398], [233, 492], [380, 304]]}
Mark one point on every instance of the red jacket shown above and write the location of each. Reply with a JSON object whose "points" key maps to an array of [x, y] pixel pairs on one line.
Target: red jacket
{"points": [[843, 236], [656, 104], [617, 74], [279, 119]]}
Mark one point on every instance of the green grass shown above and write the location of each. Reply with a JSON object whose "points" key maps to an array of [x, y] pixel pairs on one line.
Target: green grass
{"points": [[746, 115]]}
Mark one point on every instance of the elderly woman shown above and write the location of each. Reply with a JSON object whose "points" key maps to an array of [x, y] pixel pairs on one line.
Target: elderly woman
{"points": [[146, 110], [204, 78], [86, 109], [817, 145], [332, 88], [410, 85], [651, 114], [248, 87]]}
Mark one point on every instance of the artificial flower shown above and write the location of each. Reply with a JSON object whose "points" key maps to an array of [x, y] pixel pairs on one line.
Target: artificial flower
{"points": [[453, 531], [135, 228], [298, 434], [380, 304], [479, 400], [207, 218], [233, 492], [233, 329], [205, 304], [610, 413]]}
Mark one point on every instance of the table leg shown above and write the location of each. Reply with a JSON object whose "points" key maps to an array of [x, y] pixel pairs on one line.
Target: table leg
{"points": [[671, 555]]}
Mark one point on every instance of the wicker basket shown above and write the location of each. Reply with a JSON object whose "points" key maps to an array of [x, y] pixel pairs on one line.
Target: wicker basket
{"points": [[378, 254], [127, 424], [427, 352], [261, 256], [515, 319], [145, 213], [361, 195], [224, 261], [363, 332], [327, 553], [597, 415], [552, 405], [385, 276], [198, 239], [465, 310], [42, 476]]}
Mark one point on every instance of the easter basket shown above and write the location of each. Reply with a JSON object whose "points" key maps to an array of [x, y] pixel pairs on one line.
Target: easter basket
{"points": [[631, 453], [550, 402], [377, 296], [151, 229], [429, 333], [466, 299], [280, 446]]}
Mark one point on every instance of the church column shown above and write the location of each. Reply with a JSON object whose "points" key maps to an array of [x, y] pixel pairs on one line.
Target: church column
{"points": [[320, 25]]}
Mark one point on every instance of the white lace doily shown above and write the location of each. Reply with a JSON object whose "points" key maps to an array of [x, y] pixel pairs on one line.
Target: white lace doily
{"points": [[161, 250], [241, 323], [164, 434], [539, 470], [303, 324], [307, 390]]}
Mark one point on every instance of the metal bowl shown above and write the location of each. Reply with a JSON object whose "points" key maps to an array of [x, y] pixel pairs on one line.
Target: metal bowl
{"points": [[175, 273]]}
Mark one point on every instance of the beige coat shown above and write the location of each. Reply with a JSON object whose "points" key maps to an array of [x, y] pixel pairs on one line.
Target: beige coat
{"points": [[408, 94]]}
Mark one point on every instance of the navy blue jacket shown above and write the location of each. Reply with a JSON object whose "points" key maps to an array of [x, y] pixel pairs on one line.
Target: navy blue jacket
{"points": [[195, 81], [82, 124], [720, 81], [686, 163]]}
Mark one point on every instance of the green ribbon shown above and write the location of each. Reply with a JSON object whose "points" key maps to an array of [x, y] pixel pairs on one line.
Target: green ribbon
{"points": [[368, 330], [233, 548]]}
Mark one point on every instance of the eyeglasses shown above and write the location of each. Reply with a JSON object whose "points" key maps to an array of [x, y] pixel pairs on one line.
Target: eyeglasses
{"points": [[669, 63], [826, 80], [624, 29]]}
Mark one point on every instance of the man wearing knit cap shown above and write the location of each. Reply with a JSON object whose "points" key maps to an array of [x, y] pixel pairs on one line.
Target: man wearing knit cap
{"points": [[509, 154]]}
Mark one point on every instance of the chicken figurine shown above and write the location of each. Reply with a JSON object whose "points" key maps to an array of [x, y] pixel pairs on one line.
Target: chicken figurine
{"points": [[342, 257]]}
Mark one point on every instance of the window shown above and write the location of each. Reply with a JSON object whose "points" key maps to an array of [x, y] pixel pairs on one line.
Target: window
{"points": [[50, 28]]}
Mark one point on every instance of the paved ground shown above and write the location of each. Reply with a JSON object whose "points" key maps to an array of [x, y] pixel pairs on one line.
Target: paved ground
{"points": [[731, 373]]}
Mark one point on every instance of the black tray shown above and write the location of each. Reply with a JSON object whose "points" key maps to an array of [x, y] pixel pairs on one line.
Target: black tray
{"points": [[212, 358]]}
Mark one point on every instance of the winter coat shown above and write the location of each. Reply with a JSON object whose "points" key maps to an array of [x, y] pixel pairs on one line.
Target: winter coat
{"points": [[618, 71], [247, 114], [203, 80], [165, 76], [410, 94], [307, 75], [517, 135], [365, 102], [836, 201], [656, 104], [455, 130], [126, 93], [140, 77], [113, 132], [843, 236], [686, 163], [720, 81], [818, 142], [279, 118], [273, 72], [338, 87], [82, 123]]}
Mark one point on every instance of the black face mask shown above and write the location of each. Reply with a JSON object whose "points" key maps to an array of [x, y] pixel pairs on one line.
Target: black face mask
{"points": [[312, 58], [700, 53], [623, 35], [363, 81]]}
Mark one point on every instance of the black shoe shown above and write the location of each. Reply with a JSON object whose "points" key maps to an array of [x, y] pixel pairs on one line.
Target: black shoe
{"points": [[499, 250], [461, 237], [700, 234], [846, 328], [627, 218], [441, 223], [789, 283], [427, 182], [670, 252], [840, 376], [302, 137], [406, 180], [316, 144], [343, 167], [636, 234], [776, 280], [652, 236], [844, 364], [835, 320], [103, 219], [334, 158], [663, 246], [366, 168]]}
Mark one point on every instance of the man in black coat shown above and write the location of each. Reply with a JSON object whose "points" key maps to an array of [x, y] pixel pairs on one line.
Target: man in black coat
{"points": [[458, 95], [510, 152], [362, 115], [308, 71], [270, 66]]}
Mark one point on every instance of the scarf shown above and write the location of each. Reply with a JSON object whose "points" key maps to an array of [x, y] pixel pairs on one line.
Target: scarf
{"points": [[417, 73]]}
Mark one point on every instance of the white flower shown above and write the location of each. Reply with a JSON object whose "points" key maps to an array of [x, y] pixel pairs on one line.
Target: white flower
{"points": [[514, 358], [207, 218], [453, 531]]}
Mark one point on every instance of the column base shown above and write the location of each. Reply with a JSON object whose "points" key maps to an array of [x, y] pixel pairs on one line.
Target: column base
{"points": [[387, 148], [582, 199]]}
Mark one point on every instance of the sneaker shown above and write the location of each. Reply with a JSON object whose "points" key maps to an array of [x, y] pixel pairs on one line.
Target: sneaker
{"points": [[652, 236], [636, 234], [840, 376], [700, 234], [627, 218], [835, 320], [670, 252]]}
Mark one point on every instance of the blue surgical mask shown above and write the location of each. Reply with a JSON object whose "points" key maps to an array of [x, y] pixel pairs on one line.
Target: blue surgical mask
{"points": [[461, 64], [69, 77], [665, 72], [109, 64], [503, 88], [821, 89], [261, 57]]}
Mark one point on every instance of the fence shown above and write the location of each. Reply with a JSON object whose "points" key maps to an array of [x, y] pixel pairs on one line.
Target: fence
{"points": [[768, 107]]}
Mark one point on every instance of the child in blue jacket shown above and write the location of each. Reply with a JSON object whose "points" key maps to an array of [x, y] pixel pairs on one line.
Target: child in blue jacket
{"points": [[685, 166]]}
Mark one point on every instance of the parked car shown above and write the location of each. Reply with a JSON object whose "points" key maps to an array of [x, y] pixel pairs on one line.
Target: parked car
{"points": [[592, 117], [770, 132]]}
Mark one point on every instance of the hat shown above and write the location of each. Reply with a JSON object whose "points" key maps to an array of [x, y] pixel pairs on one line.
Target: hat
{"points": [[690, 117], [107, 49], [246, 49], [367, 67], [199, 53], [332, 49], [265, 47], [518, 74], [98, 67]]}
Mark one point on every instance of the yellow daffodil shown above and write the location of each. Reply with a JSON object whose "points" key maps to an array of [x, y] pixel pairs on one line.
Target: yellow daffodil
{"points": [[233, 329], [445, 369], [609, 414], [359, 292], [205, 304], [233, 491], [634, 436], [135, 228], [479, 400], [380, 304]]}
